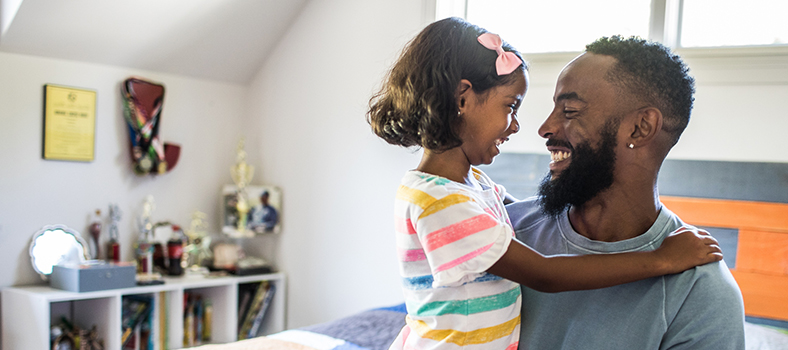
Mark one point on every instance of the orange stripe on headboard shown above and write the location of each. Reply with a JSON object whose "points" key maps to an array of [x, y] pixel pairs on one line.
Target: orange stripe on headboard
{"points": [[729, 213], [764, 295], [762, 252]]}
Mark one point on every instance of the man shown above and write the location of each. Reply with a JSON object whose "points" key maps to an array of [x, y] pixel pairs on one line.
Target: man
{"points": [[619, 109]]}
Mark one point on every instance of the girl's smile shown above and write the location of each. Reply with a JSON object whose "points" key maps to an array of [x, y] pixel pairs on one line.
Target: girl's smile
{"points": [[490, 118]]}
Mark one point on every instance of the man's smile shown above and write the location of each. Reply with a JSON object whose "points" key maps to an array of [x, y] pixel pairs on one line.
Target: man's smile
{"points": [[560, 153], [559, 156]]}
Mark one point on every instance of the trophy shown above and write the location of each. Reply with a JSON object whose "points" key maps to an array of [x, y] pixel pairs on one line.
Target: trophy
{"points": [[144, 250], [198, 252], [242, 174], [113, 246]]}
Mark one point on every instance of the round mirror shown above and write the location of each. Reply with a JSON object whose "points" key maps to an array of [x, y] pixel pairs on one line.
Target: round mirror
{"points": [[56, 245]]}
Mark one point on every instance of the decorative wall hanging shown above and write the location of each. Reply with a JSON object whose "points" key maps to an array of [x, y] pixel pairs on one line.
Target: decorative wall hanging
{"points": [[142, 105], [69, 123]]}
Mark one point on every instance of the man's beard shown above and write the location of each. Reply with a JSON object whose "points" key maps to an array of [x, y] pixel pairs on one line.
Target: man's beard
{"points": [[589, 173]]}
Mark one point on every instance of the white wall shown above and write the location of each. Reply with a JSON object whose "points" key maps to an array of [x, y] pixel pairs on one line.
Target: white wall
{"points": [[204, 117], [338, 179], [738, 113]]}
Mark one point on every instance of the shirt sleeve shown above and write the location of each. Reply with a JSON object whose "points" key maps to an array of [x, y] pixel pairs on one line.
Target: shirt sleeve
{"points": [[461, 240], [711, 316]]}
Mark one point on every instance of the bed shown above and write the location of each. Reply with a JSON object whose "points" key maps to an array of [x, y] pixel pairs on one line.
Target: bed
{"points": [[369, 330]]}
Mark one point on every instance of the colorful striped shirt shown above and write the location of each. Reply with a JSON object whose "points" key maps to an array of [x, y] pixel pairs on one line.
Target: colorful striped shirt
{"points": [[448, 235]]}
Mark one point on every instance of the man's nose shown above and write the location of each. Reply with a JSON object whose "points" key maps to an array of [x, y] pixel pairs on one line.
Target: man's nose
{"points": [[548, 128]]}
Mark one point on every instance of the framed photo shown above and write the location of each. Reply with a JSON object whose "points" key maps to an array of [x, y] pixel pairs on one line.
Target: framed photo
{"points": [[256, 211], [69, 123]]}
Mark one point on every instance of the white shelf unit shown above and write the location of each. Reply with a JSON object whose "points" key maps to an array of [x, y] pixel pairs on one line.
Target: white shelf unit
{"points": [[29, 311]]}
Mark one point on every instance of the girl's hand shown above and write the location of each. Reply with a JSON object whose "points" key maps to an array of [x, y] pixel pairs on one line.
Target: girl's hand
{"points": [[686, 248]]}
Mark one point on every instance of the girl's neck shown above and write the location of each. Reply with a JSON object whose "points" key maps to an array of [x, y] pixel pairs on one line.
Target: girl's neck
{"points": [[449, 164]]}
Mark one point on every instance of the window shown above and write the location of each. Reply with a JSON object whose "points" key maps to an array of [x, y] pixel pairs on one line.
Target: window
{"points": [[733, 23], [536, 26]]}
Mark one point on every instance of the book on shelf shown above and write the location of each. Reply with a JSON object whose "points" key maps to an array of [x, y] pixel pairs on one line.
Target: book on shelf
{"points": [[246, 292], [136, 311], [258, 319], [253, 318], [197, 319], [164, 339]]}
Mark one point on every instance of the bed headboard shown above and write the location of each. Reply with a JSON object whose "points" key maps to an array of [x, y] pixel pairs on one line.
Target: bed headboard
{"points": [[761, 249]]}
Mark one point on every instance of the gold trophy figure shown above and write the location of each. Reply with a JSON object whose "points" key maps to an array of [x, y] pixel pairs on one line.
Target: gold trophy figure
{"points": [[241, 173], [198, 250]]}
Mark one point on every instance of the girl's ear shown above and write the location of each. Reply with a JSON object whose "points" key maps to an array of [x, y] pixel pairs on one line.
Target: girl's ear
{"points": [[463, 91]]}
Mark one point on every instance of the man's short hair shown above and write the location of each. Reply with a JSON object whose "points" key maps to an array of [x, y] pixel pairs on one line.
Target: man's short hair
{"points": [[652, 74]]}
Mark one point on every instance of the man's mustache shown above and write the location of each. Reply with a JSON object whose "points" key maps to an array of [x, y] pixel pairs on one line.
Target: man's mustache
{"points": [[559, 143]]}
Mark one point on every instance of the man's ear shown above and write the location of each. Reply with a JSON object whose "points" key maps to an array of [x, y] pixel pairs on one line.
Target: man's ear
{"points": [[463, 92], [647, 124]]}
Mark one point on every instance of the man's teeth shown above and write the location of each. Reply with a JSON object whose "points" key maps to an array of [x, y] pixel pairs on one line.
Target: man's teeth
{"points": [[559, 156]]}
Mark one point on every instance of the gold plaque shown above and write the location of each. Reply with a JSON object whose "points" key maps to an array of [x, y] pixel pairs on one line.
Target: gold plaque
{"points": [[69, 123]]}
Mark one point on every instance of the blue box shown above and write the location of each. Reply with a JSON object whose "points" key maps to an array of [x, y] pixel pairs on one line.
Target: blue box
{"points": [[93, 277]]}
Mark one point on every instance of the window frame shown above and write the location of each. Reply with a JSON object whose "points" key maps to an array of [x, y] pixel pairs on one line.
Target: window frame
{"points": [[664, 26]]}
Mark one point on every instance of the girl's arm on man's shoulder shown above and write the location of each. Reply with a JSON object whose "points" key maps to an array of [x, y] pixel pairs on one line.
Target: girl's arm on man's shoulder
{"points": [[526, 266]]}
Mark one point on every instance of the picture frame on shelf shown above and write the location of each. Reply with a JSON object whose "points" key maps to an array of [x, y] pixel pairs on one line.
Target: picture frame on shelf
{"points": [[261, 207]]}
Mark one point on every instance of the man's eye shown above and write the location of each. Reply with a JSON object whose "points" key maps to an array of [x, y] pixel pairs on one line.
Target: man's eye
{"points": [[570, 112]]}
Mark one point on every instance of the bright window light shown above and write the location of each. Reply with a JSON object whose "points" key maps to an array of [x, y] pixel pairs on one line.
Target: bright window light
{"points": [[561, 25], [734, 23], [535, 26]]}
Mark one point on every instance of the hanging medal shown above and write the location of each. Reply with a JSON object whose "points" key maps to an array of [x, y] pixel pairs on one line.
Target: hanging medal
{"points": [[142, 111]]}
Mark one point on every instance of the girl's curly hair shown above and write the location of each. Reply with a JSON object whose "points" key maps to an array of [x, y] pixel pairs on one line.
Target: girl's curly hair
{"points": [[417, 104]]}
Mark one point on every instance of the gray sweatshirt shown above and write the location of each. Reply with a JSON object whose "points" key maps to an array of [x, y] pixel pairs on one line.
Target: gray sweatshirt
{"points": [[700, 308]]}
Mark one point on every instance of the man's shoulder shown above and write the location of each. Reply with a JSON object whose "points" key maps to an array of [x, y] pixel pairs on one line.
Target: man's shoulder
{"points": [[704, 303], [713, 279], [525, 213]]}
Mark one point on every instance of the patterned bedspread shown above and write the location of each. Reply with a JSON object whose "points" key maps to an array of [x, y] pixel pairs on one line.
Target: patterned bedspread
{"points": [[368, 330]]}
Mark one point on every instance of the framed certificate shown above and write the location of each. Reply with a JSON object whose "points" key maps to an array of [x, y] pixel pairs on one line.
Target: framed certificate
{"points": [[69, 123]]}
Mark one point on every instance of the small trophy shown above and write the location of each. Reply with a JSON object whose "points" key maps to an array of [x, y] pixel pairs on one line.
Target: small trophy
{"points": [[242, 174], [144, 251], [199, 249], [113, 246]]}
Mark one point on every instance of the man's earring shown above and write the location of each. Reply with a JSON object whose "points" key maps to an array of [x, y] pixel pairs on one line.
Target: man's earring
{"points": [[631, 146]]}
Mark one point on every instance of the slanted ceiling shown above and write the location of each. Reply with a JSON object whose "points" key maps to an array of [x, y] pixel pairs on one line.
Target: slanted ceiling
{"points": [[225, 40]]}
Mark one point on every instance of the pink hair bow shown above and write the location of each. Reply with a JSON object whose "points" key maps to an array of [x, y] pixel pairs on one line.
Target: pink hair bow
{"points": [[506, 62]]}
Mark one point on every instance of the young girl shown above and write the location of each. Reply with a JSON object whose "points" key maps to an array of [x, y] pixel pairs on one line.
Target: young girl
{"points": [[455, 92]]}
